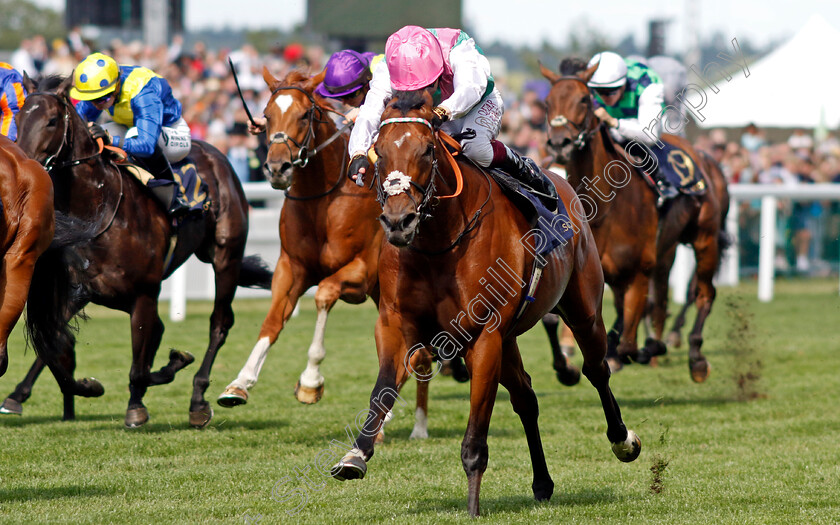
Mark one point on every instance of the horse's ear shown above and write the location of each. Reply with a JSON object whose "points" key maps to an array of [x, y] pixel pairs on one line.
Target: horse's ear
{"points": [[313, 82], [587, 74], [64, 87], [29, 84], [270, 81], [549, 74]]}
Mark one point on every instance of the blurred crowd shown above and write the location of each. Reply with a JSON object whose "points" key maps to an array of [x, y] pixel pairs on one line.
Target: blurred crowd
{"points": [[809, 230], [201, 79]]}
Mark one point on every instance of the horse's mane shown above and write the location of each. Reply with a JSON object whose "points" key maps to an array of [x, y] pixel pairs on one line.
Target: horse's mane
{"points": [[295, 76], [50, 82]]}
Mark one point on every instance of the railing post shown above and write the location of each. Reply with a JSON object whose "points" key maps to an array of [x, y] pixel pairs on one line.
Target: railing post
{"points": [[730, 263], [681, 273], [178, 299], [767, 249]]}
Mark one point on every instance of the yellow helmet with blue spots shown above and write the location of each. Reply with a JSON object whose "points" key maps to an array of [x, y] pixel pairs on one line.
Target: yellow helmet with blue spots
{"points": [[95, 77]]}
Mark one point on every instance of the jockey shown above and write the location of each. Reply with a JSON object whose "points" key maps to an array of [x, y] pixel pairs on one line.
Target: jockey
{"points": [[13, 95], [348, 79], [629, 97], [465, 97], [140, 100]]}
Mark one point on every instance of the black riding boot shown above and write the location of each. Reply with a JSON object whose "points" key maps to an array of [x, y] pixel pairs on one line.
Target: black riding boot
{"points": [[526, 171], [158, 165]]}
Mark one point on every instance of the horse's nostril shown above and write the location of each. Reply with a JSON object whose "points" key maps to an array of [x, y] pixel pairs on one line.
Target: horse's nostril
{"points": [[408, 220], [385, 222]]}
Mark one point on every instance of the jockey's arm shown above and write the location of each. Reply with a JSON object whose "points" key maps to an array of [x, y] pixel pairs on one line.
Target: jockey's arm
{"points": [[147, 107], [366, 127], [470, 71], [646, 128], [87, 111], [10, 105]]}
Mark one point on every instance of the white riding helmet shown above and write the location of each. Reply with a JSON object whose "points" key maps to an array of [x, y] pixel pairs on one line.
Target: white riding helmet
{"points": [[611, 72]]}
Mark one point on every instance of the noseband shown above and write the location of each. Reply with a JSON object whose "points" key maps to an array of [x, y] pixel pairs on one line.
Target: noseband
{"points": [[581, 130]]}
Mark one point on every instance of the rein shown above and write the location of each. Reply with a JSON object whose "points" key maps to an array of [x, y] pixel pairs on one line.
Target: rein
{"points": [[582, 130], [304, 151], [428, 192]]}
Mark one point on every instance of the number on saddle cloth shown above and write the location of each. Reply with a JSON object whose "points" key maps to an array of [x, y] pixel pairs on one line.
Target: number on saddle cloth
{"points": [[675, 166]]}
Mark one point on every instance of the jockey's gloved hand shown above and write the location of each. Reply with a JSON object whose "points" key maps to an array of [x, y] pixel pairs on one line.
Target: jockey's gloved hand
{"points": [[441, 116], [98, 132], [359, 165]]}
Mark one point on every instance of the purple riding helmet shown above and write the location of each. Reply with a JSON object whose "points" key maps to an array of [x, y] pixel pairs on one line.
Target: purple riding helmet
{"points": [[347, 71]]}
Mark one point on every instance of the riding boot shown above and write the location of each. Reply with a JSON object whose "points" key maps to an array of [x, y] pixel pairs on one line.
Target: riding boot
{"points": [[526, 171], [158, 165], [666, 192]]}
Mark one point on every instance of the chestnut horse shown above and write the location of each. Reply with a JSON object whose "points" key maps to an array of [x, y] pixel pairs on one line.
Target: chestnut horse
{"points": [[433, 279], [26, 231], [328, 231], [134, 248], [636, 245]]}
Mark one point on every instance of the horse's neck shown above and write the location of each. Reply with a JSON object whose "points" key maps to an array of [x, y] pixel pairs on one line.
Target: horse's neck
{"points": [[323, 169], [88, 182], [587, 172]]}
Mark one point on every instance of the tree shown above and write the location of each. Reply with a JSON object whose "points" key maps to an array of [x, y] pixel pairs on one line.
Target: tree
{"points": [[23, 19]]}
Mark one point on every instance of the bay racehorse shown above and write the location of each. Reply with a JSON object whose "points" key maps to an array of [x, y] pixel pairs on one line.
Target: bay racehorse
{"points": [[637, 245], [437, 279], [134, 248], [26, 230], [329, 235]]}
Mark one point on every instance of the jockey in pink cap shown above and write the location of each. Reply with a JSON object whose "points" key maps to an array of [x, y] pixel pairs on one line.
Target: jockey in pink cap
{"points": [[464, 93]]}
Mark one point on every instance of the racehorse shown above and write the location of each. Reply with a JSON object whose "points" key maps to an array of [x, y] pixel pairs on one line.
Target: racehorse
{"points": [[635, 243], [329, 236], [26, 231], [438, 278], [134, 248]]}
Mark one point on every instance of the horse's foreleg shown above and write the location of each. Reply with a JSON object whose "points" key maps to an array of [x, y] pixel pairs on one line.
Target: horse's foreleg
{"points": [[484, 361], [15, 276], [706, 251], [674, 338], [146, 333], [524, 401], [13, 403], [659, 310], [566, 373], [421, 364], [635, 301], [286, 288]]}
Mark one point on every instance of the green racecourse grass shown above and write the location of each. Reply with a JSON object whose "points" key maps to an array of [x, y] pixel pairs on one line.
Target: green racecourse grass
{"points": [[774, 458]]}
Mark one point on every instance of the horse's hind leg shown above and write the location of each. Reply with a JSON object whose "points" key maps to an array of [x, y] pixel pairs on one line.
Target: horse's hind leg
{"points": [[287, 284], [524, 401], [706, 250], [13, 403], [566, 373], [349, 282], [674, 338], [580, 307]]}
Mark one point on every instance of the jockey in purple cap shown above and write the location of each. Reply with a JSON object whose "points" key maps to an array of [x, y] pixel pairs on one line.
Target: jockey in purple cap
{"points": [[448, 62], [348, 78]]}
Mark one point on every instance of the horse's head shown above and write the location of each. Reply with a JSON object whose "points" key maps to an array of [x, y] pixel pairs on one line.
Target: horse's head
{"points": [[44, 120], [291, 121], [570, 113], [406, 167]]}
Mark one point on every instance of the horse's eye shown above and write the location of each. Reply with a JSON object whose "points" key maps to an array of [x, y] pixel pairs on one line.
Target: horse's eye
{"points": [[430, 149], [584, 99], [52, 121]]}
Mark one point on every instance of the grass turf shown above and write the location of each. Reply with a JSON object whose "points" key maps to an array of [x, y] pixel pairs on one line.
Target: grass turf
{"points": [[756, 443]]}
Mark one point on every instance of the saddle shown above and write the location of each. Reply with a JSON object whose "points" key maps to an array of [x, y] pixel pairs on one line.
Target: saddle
{"points": [[186, 186]]}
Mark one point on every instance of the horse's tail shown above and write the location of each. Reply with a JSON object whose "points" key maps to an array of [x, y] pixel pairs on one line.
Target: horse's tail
{"points": [[53, 288], [255, 273]]}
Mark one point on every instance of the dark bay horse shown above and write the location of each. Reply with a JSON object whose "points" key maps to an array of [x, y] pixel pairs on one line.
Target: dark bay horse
{"points": [[134, 248], [329, 236], [26, 231], [637, 246], [464, 272]]}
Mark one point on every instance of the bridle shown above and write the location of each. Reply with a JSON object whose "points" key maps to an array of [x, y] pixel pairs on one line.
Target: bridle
{"points": [[49, 162], [305, 149], [428, 193], [583, 132]]}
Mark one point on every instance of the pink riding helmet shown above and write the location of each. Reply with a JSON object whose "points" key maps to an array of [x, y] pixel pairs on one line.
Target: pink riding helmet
{"points": [[414, 58]]}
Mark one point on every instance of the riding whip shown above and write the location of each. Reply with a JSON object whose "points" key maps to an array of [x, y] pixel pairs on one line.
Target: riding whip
{"points": [[239, 89]]}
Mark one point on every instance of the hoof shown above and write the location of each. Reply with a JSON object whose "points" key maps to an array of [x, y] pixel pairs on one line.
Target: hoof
{"points": [[89, 387], [351, 466], [136, 417], [614, 364], [673, 340], [629, 449], [419, 433], [11, 407], [655, 347], [182, 358], [544, 491], [201, 417], [569, 376], [233, 396], [308, 395], [699, 370]]}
